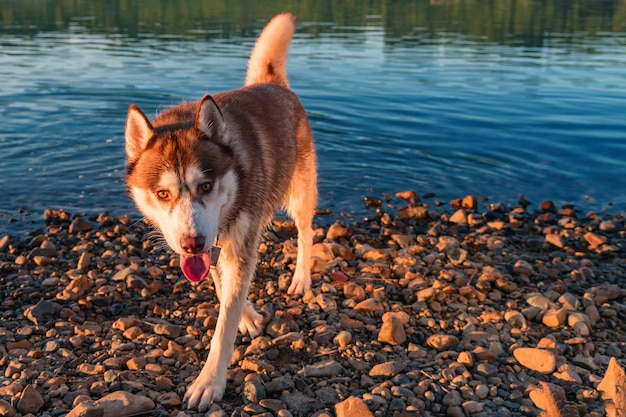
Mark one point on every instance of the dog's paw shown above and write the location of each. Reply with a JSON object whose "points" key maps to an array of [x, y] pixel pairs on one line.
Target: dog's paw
{"points": [[251, 321], [299, 284], [202, 394]]}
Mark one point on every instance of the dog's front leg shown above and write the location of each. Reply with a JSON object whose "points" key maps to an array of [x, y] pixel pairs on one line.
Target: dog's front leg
{"points": [[235, 283]]}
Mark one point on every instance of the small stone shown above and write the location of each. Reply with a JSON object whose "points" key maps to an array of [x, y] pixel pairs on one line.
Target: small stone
{"points": [[481, 391], [538, 360], [473, 407], [371, 305], [124, 323], [257, 365], [486, 369], [522, 267], [515, 319], [169, 330], [301, 404], [466, 358], [6, 410], [325, 369], [124, 404], [387, 369], [442, 342], [169, 400], [337, 230], [272, 404], [84, 261], [351, 407], [11, 390], [392, 332], [539, 301], [555, 240], [90, 369], [79, 225], [459, 217], [452, 398], [595, 239], [343, 338], [279, 384], [457, 256], [586, 362], [43, 312], [326, 302], [555, 318], [30, 401], [354, 292], [403, 240], [426, 295], [86, 409], [568, 375], [4, 242], [469, 202], [42, 260], [136, 364]]}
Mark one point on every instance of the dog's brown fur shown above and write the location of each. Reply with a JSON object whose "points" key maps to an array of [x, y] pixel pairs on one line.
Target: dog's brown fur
{"points": [[223, 165]]}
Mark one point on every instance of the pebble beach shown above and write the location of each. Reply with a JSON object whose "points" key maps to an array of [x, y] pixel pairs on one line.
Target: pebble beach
{"points": [[459, 308]]}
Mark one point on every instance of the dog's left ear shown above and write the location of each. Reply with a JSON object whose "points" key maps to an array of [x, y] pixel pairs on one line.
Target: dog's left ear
{"points": [[209, 117]]}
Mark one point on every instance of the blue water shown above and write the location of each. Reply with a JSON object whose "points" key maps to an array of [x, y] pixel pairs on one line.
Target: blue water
{"points": [[448, 113]]}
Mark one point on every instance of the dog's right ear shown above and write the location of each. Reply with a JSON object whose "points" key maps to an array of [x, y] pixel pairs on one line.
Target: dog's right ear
{"points": [[209, 118], [138, 132]]}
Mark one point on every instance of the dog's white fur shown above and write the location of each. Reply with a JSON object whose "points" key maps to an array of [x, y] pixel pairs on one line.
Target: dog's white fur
{"points": [[220, 167]]}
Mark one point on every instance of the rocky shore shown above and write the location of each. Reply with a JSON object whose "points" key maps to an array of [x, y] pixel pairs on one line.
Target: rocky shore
{"points": [[470, 308]]}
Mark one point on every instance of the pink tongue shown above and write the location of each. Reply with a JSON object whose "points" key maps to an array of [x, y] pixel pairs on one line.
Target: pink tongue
{"points": [[196, 268]]}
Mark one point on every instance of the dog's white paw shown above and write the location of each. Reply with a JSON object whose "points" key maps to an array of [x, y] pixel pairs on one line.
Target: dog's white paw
{"points": [[300, 283], [204, 392], [251, 321]]}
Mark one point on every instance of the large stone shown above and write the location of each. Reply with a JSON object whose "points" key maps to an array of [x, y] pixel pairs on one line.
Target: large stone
{"points": [[352, 407], [124, 404], [43, 312], [613, 388], [538, 360], [86, 409], [301, 404], [30, 401]]}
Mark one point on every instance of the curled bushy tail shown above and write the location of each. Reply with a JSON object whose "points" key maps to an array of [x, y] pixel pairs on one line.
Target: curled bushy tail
{"points": [[268, 59]]}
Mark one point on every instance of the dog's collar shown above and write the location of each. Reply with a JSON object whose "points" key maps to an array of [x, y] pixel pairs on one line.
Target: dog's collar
{"points": [[215, 251]]}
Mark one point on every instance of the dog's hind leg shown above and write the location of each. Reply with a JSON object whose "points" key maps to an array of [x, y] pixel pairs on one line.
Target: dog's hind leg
{"points": [[301, 201], [251, 321]]}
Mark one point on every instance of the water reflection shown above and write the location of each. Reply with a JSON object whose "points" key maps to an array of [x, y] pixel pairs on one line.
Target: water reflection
{"points": [[528, 23]]}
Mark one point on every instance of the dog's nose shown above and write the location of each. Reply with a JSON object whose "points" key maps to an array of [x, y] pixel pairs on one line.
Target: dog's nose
{"points": [[192, 244]]}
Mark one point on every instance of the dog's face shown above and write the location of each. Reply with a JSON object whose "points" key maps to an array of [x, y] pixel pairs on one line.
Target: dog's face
{"points": [[182, 179]]}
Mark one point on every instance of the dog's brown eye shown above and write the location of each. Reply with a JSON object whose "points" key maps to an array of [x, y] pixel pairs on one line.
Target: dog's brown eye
{"points": [[163, 195], [205, 188]]}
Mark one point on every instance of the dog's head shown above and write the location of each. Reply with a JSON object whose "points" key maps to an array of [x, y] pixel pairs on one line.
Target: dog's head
{"points": [[181, 175]]}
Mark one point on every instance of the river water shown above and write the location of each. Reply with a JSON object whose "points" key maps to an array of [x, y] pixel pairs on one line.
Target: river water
{"points": [[494, 99]]}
